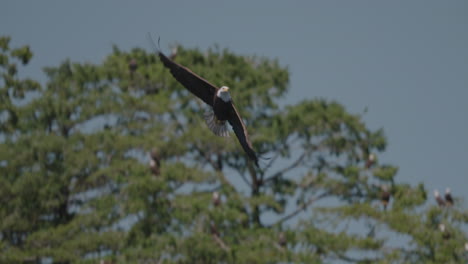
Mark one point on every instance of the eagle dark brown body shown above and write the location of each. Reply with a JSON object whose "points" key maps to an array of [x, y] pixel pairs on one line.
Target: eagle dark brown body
{"points": [[221, 109]]}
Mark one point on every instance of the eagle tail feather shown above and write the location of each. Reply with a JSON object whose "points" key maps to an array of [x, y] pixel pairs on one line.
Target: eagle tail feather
{"points": [[218, 127]]}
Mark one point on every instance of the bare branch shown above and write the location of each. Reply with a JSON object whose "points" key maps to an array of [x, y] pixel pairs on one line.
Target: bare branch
{"points": [[245, 179], [280, 248], [290, 167], [278, 154], [208, 159], [300, 208], [220, 242], [354, 260], [271, 162], [253, 175]]}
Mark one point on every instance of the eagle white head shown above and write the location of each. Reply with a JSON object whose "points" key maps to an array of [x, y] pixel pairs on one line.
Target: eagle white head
{"points": [[223, 93], [216, 199], [447, 191], [436, 193], [442, 227]]}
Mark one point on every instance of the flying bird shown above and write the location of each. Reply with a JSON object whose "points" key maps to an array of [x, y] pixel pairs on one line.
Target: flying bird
{"points": [[439, 199], [222, 106], [448, 197]]}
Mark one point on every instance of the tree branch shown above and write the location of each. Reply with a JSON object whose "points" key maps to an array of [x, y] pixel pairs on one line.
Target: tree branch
{"points": [[354, 260], [245, 179], [220, 242], [208, 159], [300, 208], [278, 154], [271, 162], [290, 167]]}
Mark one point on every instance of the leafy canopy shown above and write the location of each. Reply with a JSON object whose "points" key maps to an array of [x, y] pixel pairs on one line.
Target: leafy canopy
{"points": [[76, 185]]}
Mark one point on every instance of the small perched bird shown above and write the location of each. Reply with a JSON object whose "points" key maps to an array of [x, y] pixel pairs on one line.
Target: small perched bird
{"points": [[282, 239], [448, 197], [155, 162], [370, 160], [385, 196], [214, 229], [445, 232], [216, 199], [222, 109], [439, 199], [132, 66]]}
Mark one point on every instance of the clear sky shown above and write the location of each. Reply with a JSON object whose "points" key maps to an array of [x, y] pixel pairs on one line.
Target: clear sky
{"points": [[406, 61]]}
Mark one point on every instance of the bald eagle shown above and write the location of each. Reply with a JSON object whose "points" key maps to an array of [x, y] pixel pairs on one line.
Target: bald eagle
{"points": [[445, 232], [448, 197], [155, 162], [370, 160], [385, 196], [222, 106], [439, 199], [216, 199]]}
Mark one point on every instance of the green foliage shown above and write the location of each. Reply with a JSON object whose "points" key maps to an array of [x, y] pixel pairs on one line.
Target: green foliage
{"points": [[76, 187]]}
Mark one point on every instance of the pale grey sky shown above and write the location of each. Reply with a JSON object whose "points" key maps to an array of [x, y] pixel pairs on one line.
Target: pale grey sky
{"points": [[406, 61]]}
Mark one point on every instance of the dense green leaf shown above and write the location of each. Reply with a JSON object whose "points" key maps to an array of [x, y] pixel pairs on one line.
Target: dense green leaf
{"points": [[80, 183]]}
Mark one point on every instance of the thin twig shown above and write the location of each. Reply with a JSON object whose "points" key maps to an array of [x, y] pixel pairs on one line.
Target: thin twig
{"points": [[354, 260], [208, 158], [280, 248], [220, 242], [271, 161], [253, 175], [244, 178], [278, 154], [300, 208], [290, 167]]}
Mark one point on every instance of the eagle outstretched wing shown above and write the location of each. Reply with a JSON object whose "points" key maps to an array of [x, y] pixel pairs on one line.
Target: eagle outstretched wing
{"points": [[241, 133], [191, 81]]}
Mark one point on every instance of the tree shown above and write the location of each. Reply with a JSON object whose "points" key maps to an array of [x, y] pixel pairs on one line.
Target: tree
{"points": [[113, 161]]}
